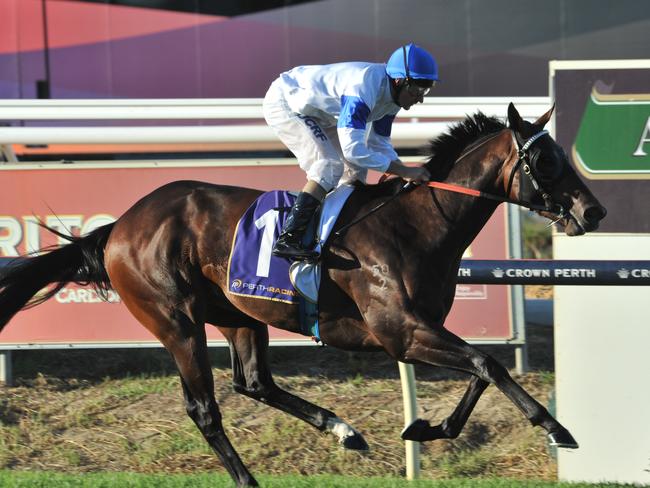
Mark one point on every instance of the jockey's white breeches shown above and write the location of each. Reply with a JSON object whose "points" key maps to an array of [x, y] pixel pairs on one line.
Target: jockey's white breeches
{"points": [[314, 143]]}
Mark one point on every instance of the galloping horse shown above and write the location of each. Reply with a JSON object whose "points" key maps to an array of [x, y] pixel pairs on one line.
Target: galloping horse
{"points": [[167, 257]]}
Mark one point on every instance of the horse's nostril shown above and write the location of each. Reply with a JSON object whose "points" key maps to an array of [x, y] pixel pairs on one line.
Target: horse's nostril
{"points": [[595, 214]]}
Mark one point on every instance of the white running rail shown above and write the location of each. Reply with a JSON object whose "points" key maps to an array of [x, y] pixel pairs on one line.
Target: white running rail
{"points": [[243, 117]]}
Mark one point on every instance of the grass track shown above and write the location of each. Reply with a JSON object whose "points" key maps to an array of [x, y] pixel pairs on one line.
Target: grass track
{"points": [[18, 479]]}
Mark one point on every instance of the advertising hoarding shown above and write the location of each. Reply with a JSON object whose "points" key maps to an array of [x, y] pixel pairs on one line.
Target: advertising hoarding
{"points": [[601, 333]]}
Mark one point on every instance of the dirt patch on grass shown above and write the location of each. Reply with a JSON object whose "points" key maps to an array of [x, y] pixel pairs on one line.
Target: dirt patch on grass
{"points": [[81, 411]]}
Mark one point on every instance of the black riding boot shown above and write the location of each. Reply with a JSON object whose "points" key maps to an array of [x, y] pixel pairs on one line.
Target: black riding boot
{"points": [[289, 244]]}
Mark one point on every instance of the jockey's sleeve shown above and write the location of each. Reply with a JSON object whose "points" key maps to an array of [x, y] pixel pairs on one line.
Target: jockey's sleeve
{"points": [[351, 129], [379, 137]]}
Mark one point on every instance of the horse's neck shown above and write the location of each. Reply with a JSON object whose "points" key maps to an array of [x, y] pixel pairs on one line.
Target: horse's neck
{"points": [[465, 216], [465, 220]]}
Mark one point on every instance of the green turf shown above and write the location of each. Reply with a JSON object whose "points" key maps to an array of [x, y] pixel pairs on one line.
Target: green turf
{"points": [[23, 479]]}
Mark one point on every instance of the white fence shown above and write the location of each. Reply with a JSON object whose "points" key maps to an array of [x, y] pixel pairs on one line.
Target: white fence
{"points": [[243, 117]]}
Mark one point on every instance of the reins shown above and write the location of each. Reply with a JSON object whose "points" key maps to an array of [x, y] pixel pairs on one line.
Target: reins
{"points": [[481, 194], [408, 186], [522, 155]]}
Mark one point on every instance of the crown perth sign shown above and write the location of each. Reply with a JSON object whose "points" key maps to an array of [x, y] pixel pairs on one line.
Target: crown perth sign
{"points": [[555, 272]]}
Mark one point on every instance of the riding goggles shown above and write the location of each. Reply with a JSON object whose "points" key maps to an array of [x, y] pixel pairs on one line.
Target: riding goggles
{"points": [[418, 91]]}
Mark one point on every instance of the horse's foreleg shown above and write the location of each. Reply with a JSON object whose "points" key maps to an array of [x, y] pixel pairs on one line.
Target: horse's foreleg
{"points": [[252, 377], [442, 348], [421, 430]]}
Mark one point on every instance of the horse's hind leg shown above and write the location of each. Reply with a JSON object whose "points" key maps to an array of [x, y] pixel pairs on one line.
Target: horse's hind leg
{"points": [[191, 358], [183, 335], [252, 377], [442, 348]]}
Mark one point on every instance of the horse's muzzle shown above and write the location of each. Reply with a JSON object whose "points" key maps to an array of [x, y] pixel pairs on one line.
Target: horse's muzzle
{"points": [[584, 219]]}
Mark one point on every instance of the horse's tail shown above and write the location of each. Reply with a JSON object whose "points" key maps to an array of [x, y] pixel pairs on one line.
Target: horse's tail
{"points": [[81, 261]]}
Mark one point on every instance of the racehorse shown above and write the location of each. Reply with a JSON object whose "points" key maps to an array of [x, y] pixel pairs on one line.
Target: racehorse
{"points": [[388, 280]]}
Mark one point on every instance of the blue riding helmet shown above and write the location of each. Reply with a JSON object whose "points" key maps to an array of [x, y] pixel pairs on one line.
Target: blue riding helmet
{"points": [[417, 64]]}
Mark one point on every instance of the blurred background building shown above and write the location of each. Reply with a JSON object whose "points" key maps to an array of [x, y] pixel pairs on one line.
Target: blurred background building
{"points": [[230, 48]]}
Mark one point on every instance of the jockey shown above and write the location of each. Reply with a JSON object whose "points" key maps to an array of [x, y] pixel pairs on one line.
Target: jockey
{"points": [[322, 114]]}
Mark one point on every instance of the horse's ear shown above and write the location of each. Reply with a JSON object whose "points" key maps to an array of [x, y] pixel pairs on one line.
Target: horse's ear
{"points": [[514, 119], [541, 122]]}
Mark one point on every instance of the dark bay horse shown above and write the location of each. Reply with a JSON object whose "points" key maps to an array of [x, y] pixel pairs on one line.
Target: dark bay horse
{"points": [[388, 281]]}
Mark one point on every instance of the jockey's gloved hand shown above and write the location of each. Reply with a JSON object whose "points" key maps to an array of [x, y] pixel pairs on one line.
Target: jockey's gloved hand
{"points": [[417, 174]]}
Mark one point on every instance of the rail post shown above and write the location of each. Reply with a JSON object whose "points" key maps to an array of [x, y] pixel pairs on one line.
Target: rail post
{"points": [[517, 291], [407, 375], [6, 373]]}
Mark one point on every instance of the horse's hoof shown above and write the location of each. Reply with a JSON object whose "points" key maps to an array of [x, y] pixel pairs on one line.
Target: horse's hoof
{"points": [[562, 438], [355, 442], [416, 431]]}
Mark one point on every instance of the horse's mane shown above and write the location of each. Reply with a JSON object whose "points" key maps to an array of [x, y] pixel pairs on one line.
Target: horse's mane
{"points": [[444, 150]]}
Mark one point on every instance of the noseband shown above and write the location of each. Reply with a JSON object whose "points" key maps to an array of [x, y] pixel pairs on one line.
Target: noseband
{"points": [[525, 168]]}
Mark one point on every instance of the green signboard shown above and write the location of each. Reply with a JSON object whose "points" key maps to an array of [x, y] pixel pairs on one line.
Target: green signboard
{"points": [[613, 140], [601, 119]]}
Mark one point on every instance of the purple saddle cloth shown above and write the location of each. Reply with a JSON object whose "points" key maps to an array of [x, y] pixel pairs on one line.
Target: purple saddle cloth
{"points": [[253, 270]]}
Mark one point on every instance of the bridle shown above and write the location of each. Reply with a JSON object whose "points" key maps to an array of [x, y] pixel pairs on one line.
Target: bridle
{"points": [[525, 162], [523, 165]]}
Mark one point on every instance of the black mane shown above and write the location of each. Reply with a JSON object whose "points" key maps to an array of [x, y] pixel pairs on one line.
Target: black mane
{"points": [[444, 150]]}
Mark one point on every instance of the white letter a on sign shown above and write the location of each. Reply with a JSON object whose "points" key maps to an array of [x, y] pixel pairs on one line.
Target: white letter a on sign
{"points": [[645, 137]]}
